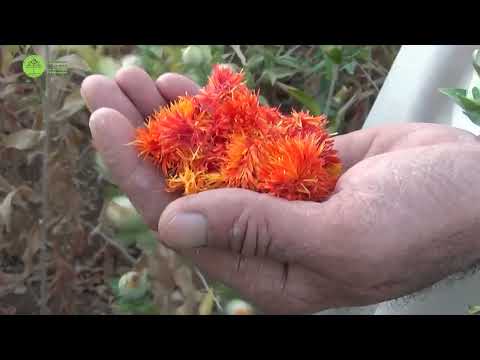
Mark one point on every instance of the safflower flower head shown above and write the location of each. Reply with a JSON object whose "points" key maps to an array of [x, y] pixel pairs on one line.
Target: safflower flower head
{"points": [[298, 168], [224, 137]]}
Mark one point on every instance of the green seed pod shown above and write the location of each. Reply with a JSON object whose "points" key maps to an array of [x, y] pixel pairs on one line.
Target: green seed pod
{"points": [[239, 307], [341, 96], [122, 214], [133, 285]]}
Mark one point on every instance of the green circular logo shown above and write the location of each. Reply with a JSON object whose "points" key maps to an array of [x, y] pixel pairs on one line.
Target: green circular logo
{"points": [[33, 66]]}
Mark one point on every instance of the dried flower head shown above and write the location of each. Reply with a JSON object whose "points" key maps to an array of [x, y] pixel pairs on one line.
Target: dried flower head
{"points": [[224, 137]]}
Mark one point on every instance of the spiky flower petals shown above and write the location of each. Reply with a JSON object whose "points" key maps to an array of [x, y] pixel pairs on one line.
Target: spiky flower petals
{"points": [[224, 137], [174, 135], [192, 181], [241, 159], [296, 168]]}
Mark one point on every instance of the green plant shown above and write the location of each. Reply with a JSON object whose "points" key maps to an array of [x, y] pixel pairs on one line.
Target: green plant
{"points": [[468, 99]]}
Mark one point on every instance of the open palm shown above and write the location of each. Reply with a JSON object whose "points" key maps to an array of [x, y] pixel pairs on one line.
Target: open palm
{"points": [[397, 222]]}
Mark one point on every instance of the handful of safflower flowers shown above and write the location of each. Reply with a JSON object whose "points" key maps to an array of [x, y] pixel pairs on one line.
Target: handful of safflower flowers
{"points": [[223, 137]]}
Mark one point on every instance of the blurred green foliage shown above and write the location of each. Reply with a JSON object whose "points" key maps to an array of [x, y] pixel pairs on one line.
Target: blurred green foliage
{"points": [[318, 78], [329, 79]]}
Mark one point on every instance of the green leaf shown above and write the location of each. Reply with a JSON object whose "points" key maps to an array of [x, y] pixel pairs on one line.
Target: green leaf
{"points": [[364, 54], [317, 67], [334, 53], [460, 97], [469, 104], [263, 100], [276, 74], [155, 51], [471, 107], [474, 116], [453, 93], [270, 75], [306, 100], [476, 93], [474, 309], [350, 67], [288, 61], [126, 238], [254, 61], [139, 307], [146, 241]]}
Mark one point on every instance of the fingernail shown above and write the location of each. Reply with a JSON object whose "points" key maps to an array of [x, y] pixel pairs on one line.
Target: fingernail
{"points": [[185, 230], [97, 123]]}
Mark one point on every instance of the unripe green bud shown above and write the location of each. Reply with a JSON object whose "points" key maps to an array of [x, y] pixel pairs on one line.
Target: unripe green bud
{"points": [[239, 307], [133, 285]]}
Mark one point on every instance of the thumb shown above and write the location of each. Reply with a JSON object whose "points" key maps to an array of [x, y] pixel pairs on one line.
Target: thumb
{"points": [[247, 223]]}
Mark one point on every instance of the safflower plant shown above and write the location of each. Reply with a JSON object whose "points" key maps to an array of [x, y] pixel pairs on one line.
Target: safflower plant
{"points": [[224, 137]]}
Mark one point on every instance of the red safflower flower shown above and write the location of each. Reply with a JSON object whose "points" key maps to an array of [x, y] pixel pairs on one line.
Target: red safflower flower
{"points": [[224, 137]]}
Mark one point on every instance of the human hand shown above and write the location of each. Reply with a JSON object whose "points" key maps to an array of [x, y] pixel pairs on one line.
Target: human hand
{"points": [[403, 216]]}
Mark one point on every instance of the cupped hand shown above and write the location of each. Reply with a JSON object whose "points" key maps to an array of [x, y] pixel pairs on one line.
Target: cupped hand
{"points": [[403, 216]]}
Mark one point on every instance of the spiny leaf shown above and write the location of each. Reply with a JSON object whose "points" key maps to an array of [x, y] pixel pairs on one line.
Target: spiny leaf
{"points": [[473, 116], [453, 93], [460, 97]]}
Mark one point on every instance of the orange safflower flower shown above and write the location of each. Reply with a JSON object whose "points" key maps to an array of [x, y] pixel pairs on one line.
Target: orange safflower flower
{"points": [[240, 162], [298, 168], [224, 137]]}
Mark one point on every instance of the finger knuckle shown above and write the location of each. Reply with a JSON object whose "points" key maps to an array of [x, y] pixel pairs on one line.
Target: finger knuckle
{"points": [[250, 234]]}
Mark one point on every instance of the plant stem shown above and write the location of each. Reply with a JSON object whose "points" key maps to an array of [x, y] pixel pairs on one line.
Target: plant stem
{"points": [[95, 230], [333, 82], [205, 285]]}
